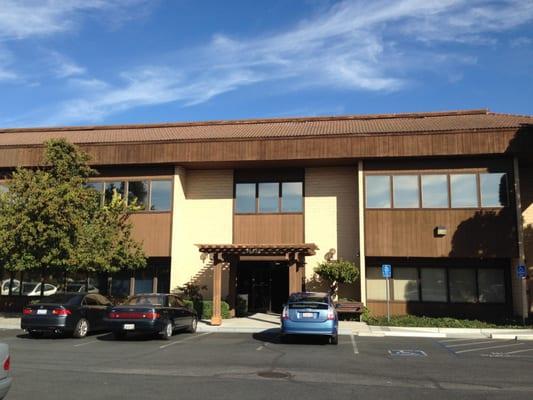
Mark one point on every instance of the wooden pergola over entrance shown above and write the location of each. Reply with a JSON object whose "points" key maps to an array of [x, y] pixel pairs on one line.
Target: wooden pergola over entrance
{"points": [[223, 253]]}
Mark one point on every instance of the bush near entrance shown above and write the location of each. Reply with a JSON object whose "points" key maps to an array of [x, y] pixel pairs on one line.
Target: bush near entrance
{"points": [[337, 271], [204, 308]]}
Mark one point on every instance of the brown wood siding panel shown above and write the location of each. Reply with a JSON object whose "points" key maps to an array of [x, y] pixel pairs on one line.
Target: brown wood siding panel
{"points": [[268, 228], [360, 146], [153, 230], [484, 311], [410, 233]]}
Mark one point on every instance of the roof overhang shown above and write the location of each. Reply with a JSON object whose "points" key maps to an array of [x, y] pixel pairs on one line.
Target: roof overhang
{"points": [[304, 249]]}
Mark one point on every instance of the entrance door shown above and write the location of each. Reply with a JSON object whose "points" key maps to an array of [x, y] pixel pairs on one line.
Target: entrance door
{"points": [[266, 284]]}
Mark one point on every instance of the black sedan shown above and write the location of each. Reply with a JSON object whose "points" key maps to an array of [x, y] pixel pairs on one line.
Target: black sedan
{"points": [[155, 313], [70, 313]]}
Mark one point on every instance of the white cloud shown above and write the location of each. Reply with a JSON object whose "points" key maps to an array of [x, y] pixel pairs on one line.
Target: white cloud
{"points": [[358, 45], [20, 19], [63, 67], [6, 73]]}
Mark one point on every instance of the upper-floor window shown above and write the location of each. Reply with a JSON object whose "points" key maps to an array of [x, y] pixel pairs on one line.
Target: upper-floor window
{"points": [[3, 188], [153, 195], [460, 190], [268, 197]]}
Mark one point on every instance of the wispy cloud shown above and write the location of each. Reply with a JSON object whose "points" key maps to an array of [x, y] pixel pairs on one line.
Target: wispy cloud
{"points": [[63, 67], [371, 46], [6, 73], [20, 19]]}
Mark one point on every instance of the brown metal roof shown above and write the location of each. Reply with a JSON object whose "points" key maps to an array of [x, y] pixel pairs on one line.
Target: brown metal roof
{"points": [[271, 128], [307, 249]]}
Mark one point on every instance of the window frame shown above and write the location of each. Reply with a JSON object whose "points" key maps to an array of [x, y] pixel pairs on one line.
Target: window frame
{"points": [[280, 196]]}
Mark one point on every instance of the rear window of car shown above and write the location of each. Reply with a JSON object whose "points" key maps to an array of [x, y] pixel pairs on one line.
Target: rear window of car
{"points": [[296, 298], [60, 299], [148, 300], [314, 306]]}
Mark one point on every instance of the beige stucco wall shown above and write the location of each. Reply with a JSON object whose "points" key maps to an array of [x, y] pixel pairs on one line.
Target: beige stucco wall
{"points": [[202, 213], [331, 219]]}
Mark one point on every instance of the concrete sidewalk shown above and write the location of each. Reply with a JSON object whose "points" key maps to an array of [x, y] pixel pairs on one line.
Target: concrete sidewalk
{"points": [[262, 322]]}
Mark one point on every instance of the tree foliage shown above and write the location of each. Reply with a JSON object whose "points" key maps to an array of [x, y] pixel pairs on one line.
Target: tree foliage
{"points": [[49, 218], [337, 271]]}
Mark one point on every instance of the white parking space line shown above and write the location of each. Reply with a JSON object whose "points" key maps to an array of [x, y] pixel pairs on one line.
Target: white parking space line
{"points": [[354, 345], [184, 340], [519, 351], [260, 348], [488, 348], [469, 344], [456, 340], [85, 343]]}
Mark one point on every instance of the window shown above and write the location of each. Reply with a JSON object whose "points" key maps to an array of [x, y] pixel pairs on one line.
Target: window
{"points": [[435, 191], [245, 198], [138, 191], [405, 190], [3, 188], [292, 197], [493, 188], [491, 283], [405, 284], [268, 197], [463, 190], [161, 196], [376, 285], [110, 187], [462, 285], [378, 191], [433, 282]]}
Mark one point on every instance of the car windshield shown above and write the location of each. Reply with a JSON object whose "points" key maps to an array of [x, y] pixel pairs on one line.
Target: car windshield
{"points": [[308, 297], [70, 299], [152, 300]]}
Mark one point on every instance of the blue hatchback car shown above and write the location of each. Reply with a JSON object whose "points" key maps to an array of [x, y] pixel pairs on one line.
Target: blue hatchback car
{"points": [[310, 313]]}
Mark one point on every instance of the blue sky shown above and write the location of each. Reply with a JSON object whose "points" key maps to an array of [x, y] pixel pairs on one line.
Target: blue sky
{"points": [[80, 62]]}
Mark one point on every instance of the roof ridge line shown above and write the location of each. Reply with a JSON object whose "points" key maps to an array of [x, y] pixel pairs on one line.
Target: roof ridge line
{"points": [[256, 121]]}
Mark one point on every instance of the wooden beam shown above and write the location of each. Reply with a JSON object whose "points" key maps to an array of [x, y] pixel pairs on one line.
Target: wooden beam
{"points": [[216, 318]]}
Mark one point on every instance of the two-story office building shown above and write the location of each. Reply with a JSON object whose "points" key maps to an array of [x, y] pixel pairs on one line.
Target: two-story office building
{"points": [[248, 208]]}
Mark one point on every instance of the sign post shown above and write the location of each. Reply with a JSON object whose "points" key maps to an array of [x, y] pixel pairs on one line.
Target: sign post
{"points": [[386, 270], [521, 272]]}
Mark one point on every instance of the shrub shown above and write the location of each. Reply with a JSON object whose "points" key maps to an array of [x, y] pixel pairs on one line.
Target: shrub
{"points": [[337, 271], [204, 308]]}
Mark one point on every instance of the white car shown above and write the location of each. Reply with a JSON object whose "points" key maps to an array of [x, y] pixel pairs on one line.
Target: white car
{"points": [[14, 287], [34, 289], [5, 378]]}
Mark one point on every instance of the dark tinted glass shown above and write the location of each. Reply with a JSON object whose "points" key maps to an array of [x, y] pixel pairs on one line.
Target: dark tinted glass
{"points": [[295, 298], [138, 191], [155, 300], [110, 187], [161, 195], [71, 299]]}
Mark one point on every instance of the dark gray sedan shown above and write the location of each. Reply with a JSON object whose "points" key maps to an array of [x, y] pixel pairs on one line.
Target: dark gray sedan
{"points": [[72, 313]]}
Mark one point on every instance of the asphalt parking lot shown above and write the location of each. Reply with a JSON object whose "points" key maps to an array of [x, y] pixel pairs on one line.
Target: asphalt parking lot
{"points": [[258, 366]]}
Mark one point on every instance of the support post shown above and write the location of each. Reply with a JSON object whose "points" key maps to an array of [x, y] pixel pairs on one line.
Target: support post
{"points": [[216, 318], [295, 273], [524, 312], [361, 209], [132, 285]]}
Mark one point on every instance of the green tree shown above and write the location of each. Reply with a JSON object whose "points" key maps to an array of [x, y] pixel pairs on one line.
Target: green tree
{"points": [[49, 218], [337, 271]]}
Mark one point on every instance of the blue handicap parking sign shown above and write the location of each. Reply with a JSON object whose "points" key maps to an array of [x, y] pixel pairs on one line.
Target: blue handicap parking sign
{"points": [[521, 271], [386, 270]]}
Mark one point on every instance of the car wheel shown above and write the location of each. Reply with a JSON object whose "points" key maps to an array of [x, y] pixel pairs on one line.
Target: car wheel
{"points": [[35, 334], [82, 328], [193, 325], [118, 335], [334, 339], [167, 331]]}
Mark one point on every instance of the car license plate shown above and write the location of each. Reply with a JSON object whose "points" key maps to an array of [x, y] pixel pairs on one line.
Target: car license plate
{"points": [[308, 315], [42, 312], [128, 327]]}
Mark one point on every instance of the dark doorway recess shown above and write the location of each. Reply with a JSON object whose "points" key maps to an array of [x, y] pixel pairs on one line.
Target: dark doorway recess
{"points": [[265, 283]]}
